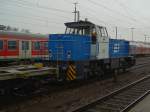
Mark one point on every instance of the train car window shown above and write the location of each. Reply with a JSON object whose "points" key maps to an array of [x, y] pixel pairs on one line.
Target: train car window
{"points": [[1, 45], [12, 45], [45, 45], [36, 45], [25, 45]]}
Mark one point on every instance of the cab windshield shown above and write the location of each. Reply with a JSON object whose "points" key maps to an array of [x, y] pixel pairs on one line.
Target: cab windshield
{"points": [[78, 31]]}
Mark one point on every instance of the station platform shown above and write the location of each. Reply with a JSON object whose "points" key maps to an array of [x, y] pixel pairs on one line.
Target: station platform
{"points": [[142, 106]]}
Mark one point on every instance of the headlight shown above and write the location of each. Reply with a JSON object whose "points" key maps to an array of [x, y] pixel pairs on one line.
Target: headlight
{"points": [[69, 54]]}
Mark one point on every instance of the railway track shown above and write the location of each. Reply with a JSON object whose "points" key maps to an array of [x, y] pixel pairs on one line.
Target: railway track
{"points": [[44, 91], [120, 100], [141, 65], [49, 86], [55, 86]]}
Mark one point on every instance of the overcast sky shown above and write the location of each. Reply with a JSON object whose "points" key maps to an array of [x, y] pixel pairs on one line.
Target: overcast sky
{"points": [[49, 16]]}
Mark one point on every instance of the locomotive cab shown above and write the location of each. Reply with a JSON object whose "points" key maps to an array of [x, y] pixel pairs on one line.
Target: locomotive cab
{"points": [[98, 35]]}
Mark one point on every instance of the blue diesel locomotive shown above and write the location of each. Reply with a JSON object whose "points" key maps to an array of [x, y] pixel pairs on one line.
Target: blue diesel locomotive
{"points": [[85, 50]]}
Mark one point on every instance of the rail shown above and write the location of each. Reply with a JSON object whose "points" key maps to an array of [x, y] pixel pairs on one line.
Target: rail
{"points": [[120, 100]]}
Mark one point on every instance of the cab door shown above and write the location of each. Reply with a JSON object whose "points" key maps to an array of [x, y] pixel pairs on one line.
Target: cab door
{"points": [[25, 49], [103, 43]]}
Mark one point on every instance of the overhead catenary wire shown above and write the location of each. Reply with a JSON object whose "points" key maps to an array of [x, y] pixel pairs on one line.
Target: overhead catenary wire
{"points": [[31, 17], [35, 17], [121, 21], [46, 20], [28, 22], [27, 2], [68, 1], [11, 4], [135, 23], [129, 19], [98, 4], [130, 12], [91, 14], [108, 16], [30, 4], [109, 9], [24, 4], [111, 22], [129, 22]]}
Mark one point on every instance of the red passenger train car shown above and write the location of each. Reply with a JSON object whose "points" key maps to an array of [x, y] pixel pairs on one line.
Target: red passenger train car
{"points": [[138, 48], [15, 46]]}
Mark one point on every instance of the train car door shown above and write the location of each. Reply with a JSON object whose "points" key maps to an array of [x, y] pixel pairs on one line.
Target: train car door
{"points": [[25, 49], [2, 51]]}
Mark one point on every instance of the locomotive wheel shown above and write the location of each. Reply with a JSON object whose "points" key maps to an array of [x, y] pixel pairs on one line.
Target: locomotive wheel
{"points": [[124, 70], [100, 73]]}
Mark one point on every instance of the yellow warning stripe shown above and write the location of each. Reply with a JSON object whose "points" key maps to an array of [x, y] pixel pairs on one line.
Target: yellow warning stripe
{"points": [[71, 68], [73, 76], [69, 77], [71, 72]]}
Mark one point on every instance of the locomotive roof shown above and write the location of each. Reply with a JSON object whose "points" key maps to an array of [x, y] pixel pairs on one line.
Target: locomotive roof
{"points": [[80, 24], [22, 34]]}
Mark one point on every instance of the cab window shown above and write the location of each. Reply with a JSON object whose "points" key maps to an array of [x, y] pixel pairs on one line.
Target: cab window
{"points": [[12, 45], [78, 31], [103, 32], [94, 36], [1, 45]]}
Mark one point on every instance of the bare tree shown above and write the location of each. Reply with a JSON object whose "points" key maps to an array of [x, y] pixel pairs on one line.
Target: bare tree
{"points": [[2, 27]]}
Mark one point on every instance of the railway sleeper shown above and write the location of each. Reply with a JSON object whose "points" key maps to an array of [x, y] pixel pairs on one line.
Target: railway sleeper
{"points": [[139, 90], [113, 105], [116, 101], [127, 97], [123, 99], [106, 108], [92, 110], [145, 87], [136, 92], [130, 95]]}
